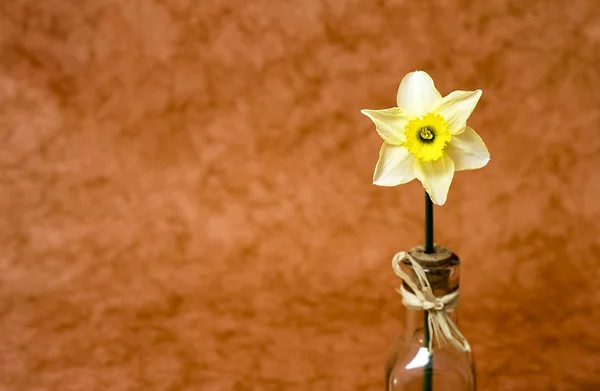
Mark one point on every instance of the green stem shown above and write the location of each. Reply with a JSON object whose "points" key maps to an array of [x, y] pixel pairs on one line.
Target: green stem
{"points": [[428, 370], [428, 225], [429, 248]]}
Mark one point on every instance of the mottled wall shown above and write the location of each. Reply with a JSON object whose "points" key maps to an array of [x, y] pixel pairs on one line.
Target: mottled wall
{"points": [[186, 198]]}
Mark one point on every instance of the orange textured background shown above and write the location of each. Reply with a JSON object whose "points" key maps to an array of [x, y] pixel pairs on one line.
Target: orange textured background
{"points": [[186, 193]]}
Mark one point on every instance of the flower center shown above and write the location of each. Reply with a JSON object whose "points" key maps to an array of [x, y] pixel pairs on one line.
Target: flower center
{"points": [[427, 137], [426, 134]]}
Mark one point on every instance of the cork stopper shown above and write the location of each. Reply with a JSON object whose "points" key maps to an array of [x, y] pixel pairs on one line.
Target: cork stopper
{"points": [[442, 268], [441, 257]]}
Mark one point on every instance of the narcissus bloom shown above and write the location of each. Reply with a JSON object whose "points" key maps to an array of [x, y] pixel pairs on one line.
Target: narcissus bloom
{"points": [[427, 137]]}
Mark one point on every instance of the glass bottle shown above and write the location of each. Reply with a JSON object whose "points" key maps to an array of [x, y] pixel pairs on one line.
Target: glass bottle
{"points": [[409, 366]]}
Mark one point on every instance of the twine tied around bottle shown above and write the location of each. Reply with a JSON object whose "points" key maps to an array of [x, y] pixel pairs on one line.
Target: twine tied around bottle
{"points": [[441, 326]]}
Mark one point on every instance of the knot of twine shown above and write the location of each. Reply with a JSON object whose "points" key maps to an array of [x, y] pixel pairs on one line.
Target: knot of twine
{"points": [[441, 326]]}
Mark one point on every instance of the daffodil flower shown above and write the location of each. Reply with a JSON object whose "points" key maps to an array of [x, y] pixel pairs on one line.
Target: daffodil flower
{"points": [[427, 137]]}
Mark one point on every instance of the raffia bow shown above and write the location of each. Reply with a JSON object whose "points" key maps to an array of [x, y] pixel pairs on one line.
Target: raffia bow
{"points": [[443, 329]]}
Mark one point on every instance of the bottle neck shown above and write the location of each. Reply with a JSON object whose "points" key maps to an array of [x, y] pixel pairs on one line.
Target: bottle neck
{"points": [[442, 270], [414, 324]]}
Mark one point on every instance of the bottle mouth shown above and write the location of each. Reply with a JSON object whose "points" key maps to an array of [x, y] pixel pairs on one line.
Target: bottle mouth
{"points": [[442, 268], [440, 257]]}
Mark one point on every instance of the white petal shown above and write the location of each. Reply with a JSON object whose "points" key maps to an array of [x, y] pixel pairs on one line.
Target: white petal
{"points": [[436, 177], [468, 151], [456, 107], [395, 166], [417, 94], [389, 123]]}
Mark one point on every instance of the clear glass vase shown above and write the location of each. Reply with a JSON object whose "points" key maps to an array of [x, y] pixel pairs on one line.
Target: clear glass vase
{"points": [[410, 366]]}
